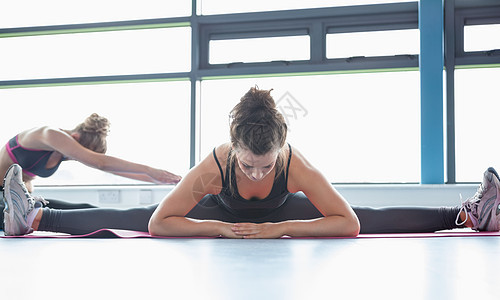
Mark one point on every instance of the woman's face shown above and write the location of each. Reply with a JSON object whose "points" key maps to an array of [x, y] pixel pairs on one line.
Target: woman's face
{"points": [[256, 167]]}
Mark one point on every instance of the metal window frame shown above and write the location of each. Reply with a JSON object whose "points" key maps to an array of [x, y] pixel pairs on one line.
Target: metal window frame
{"points": [[475, 16], [458, 14], [94, 27], [317, 23]]}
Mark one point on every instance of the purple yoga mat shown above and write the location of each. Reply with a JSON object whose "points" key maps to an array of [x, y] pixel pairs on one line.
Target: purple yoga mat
{"points": [[119, 233]]}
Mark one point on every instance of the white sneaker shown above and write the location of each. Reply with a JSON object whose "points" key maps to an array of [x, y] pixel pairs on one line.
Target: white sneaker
{"points": [[484, 207], [18, 203]]}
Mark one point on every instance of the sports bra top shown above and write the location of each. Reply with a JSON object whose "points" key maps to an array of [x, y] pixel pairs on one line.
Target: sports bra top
{"points": [[242, 207], [32, 161]]}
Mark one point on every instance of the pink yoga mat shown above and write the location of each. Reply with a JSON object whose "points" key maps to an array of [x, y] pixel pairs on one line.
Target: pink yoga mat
{"points": [[119, 233]]}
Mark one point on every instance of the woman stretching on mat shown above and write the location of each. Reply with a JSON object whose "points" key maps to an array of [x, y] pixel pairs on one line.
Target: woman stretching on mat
{"points": [[256, 186], [40, 151]]}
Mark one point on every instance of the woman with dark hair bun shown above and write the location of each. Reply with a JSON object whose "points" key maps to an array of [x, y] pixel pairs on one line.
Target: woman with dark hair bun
{"points": [[262, 187]]}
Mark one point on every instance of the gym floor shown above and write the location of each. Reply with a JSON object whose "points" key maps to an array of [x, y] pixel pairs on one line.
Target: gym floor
{"points": [[462, 267]]}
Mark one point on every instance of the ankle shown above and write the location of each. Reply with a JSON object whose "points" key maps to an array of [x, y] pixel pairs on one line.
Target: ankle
{"points": [[463, 216], [37, 219]]}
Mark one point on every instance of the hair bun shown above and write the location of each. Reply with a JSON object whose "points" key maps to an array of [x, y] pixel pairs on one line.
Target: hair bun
{"points": [[260, 99], [96, 124]]}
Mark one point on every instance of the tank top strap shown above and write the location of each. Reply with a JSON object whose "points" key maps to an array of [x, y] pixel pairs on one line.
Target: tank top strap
{"points": [[288, 164], [220, 168], [230, 168]]}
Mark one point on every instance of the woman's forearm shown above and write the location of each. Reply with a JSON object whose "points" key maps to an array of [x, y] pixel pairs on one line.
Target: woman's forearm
{"points": [[141, 177], [114, 164], [326, 226], [181, 226], [138, 171]]}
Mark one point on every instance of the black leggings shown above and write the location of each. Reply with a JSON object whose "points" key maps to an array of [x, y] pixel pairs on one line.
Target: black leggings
{"points": [[55, 204], [297, 207]]}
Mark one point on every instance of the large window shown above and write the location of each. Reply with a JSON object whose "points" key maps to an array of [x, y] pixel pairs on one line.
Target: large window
{"points": [[475, 89], [477, 105], [372, 43], [95, 54], [29, 13], [345, 125], [482, 37], [148, 123], [259, 49]]}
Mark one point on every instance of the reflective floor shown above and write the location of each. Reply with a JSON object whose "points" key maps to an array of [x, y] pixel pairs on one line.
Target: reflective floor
{"points": [[378, 268]]}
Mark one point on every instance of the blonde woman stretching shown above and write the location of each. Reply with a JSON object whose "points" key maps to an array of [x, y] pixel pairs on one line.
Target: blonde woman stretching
{"points": [[39, 152]]}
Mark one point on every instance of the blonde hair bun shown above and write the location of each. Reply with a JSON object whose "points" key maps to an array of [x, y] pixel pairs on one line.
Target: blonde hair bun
{"points": [[93, 132], [96, 124]]}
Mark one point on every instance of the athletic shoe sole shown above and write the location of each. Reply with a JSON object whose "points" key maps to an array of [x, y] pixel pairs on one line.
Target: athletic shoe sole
{"points": [[10, 224]]}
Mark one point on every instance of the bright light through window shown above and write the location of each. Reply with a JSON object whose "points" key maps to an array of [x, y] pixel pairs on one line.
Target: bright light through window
{"points": [[477, 103], [28, 13], [96, 54], [259, 49], [482, 37], [355, 128], [372, 43], [149, 123]]}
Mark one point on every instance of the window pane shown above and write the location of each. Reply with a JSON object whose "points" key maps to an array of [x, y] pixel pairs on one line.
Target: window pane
{"points": [[149, 123], [354, 128], [481, 37], [372, 43], [93, 54], [477, 103], [209, 7], [28, 13], [259, 49]]}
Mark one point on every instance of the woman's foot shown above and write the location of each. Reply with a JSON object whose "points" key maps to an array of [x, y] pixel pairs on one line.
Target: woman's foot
{"points": [[20, 207], [483, 209]]}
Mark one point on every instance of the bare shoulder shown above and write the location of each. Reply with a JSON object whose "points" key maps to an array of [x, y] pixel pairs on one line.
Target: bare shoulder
{"points": [[38, 137], [298, 161], [300, 171], [207, 172], [222, 151]]}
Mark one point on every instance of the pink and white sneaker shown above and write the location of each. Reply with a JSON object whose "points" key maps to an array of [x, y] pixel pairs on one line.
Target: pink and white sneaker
{"points": [[484, 207], [20, 207]]}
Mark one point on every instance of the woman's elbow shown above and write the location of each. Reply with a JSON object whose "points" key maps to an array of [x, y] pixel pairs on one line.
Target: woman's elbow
{"points": [[353, 228], [154, 227], [350, 227]]}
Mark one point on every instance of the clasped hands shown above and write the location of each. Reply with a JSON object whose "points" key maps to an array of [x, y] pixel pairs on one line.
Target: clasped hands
{"points": [[255, 231]]}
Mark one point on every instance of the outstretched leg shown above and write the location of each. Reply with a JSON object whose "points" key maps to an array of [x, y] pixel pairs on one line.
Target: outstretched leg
{"points": [[82, 221], [60, 204], [406, 219], [376, 220], [24, 213]]}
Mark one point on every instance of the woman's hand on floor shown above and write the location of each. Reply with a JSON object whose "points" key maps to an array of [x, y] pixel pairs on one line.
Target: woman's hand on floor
{"points": [[258, 231]]}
